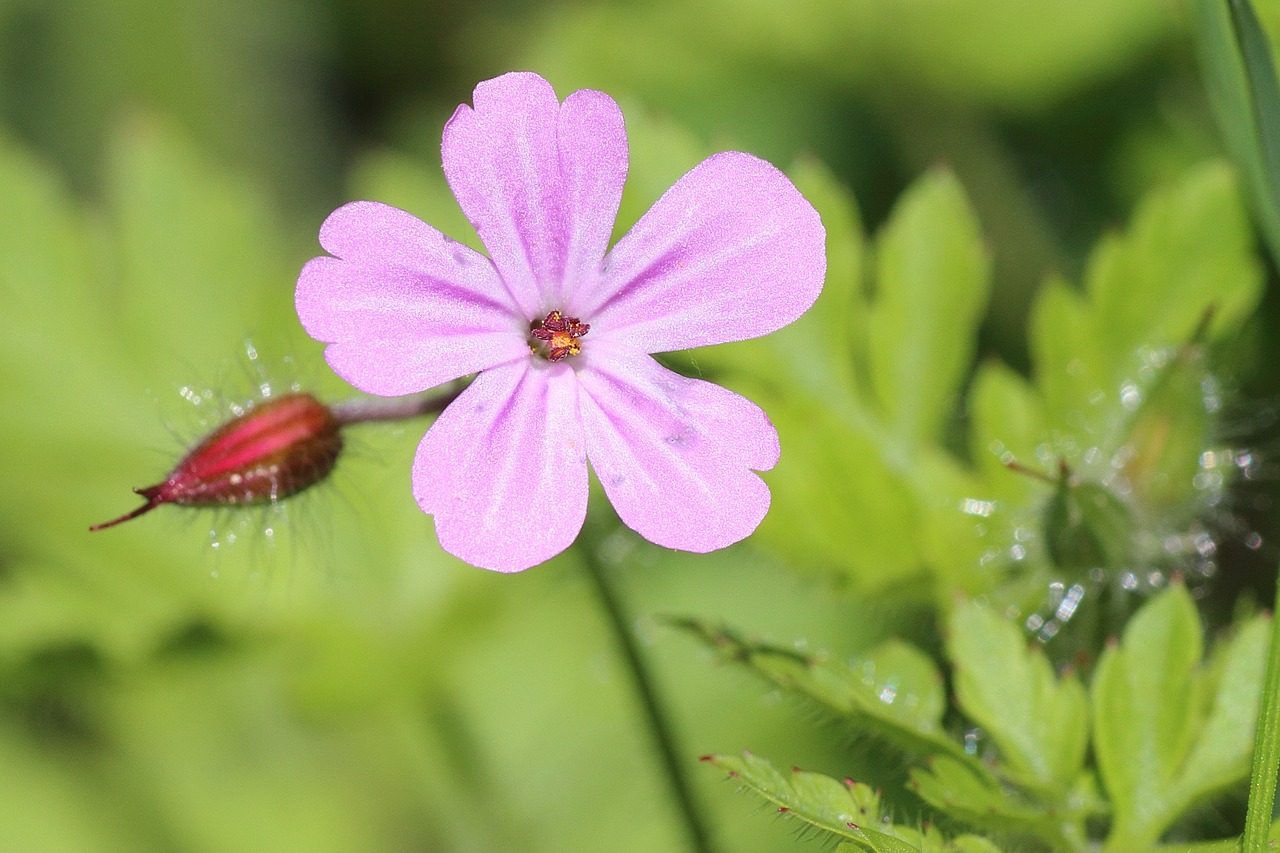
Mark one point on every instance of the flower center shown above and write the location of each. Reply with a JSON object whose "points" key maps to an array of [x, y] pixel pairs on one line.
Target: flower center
{"points": [[559, 336]]}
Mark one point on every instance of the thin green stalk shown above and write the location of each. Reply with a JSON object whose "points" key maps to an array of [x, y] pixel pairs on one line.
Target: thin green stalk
{"points": [[1262, 159], [1266, 751], [659, 728]]}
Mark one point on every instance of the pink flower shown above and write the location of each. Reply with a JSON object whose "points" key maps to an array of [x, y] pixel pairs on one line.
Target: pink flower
{"points": [[559, 328]]}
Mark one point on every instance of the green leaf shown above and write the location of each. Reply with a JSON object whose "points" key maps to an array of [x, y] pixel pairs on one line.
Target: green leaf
{"points": [[1164, 736], [839, 504], [894, 691], [1241, 78], [963, 791], [932, 281], [847, 810], [1223, 752], [1146, 704], [1067, 376], [1039, 722], [1008, 424], [1188, 249]]}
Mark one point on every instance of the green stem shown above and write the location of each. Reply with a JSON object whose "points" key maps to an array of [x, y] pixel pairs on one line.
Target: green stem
{"points": [[642, 680], [1266, 751]]}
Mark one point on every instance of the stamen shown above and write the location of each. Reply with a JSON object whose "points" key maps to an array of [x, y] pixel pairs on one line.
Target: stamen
{"points": [[562, 335]]}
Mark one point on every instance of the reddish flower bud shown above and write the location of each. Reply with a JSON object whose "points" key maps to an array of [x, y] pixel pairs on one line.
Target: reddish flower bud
{"points": [[277, 448]]}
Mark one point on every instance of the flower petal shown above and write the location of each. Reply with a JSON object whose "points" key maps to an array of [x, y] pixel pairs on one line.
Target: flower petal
{"points": [[732, 251], [504, 468], [540, 181], [676, 456], [403, 307]]}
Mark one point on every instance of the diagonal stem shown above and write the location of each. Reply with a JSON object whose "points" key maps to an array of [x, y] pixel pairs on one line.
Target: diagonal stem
{"points": [[642, 680]]}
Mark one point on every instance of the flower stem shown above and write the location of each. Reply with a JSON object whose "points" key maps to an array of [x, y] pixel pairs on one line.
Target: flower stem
{"points": [[1266, 751], [362, 410], [659, 728]]}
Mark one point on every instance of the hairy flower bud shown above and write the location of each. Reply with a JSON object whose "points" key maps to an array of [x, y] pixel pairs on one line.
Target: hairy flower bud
{"points": [[275, 449]]}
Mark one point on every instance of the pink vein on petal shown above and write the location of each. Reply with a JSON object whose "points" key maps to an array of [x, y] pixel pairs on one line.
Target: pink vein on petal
{"points": [[676, 456], [731, 251], [403, 307], [504, 469], [540, 181]]}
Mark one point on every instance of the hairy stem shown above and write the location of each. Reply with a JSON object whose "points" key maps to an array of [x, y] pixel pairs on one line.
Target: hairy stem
{"points": [[368, 410]]}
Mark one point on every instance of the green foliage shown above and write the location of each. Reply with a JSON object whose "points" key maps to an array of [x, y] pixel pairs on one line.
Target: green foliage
{"points": [[1169, 730], [894, 690], [1038, 721], [1118, 413], [1240, 75], [846, 810], [930, 254]]}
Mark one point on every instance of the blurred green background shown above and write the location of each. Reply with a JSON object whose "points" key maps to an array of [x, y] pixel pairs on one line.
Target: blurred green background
{"points": [[319, 676]]}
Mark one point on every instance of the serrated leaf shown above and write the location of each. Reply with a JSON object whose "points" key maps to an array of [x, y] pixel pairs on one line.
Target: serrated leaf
{"points": [[1187, 249], [1067, 375], [964, 791], [1145, 702], [1039, 722], [1148, 705], [1223, 753], [846, 809], [932, 281], [894, 691]]}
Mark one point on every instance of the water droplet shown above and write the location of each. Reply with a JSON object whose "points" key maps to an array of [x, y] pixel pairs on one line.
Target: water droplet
{"points": [[973, 506], [1130, 396]]}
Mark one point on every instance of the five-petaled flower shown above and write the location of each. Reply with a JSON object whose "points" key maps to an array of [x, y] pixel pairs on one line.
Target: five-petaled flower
{"points": [[559, 328]]}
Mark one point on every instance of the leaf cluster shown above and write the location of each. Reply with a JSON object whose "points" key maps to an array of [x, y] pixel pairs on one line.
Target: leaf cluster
{"points": [[1042, 759]]}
